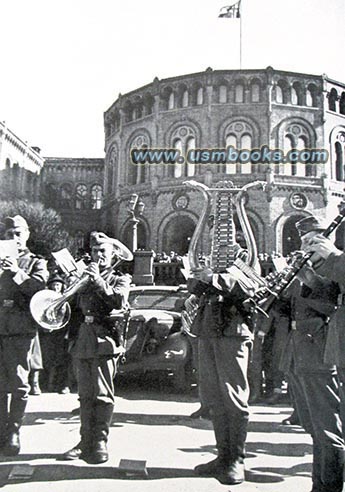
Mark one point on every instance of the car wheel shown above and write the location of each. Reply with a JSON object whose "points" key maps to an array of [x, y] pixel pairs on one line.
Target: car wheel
{"points": [[182, 378]]}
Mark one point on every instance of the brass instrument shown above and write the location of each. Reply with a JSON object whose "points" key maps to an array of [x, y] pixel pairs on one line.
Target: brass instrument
{"points": [[223, 261], [276, 283], [51, 310]]}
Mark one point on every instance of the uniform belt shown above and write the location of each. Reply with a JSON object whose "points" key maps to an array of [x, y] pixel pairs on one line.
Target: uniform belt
{"points": [[341, 299], [8, 303], [89, 319]]}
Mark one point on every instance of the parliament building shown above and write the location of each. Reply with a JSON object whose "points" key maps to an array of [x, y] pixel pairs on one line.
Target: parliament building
{"points": [[214, 110]]}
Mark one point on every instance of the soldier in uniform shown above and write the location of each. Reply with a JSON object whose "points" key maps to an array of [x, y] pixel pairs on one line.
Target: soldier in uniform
{"points": [[333, 267], [313, 382], [95, 350], [20, 279], [224, 342]]}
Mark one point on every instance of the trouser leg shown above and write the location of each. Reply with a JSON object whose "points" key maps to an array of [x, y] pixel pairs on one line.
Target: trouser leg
{"points": [[15, 420], [3, 418], [34, 382], [319, 413], [102, 422]]}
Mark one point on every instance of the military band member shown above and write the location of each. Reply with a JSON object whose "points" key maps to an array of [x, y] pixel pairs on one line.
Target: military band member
{"points": [[313, 382], [333, 267], [20, 278], [95, 351], [223, 330]]}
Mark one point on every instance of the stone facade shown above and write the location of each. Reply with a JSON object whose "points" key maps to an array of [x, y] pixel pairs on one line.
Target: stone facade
{"points": [[20, 166], [213, 110], [74, 187]]}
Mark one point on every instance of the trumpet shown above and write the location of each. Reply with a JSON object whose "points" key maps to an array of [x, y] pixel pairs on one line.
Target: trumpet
{"points": [[51, 309]]}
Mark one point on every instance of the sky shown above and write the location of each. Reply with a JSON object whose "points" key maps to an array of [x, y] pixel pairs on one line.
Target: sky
{"points": [[64, 62]]}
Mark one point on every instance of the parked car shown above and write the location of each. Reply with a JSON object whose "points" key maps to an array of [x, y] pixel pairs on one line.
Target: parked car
{"points": [[155, 340]]}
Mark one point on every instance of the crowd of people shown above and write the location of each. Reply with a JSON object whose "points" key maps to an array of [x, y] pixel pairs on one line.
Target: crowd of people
{"points": [[242, 354]]}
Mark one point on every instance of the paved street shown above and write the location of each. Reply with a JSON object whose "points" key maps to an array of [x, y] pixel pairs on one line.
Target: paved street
{"points": [[152, 425]]}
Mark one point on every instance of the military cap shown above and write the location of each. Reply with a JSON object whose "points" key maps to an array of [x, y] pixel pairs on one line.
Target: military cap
{"points": [[308, 224], [97, 238], [14, 222], [55, 278]]}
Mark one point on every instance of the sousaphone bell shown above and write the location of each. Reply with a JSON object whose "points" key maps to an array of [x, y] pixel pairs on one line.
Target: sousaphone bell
{"points": [[51, 310]]}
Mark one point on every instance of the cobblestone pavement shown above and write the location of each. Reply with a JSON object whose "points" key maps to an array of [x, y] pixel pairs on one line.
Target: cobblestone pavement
{"points": [[153, 426]]}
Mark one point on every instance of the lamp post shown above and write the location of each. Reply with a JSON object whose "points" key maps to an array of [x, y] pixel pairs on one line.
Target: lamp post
{"points": [[135, 208]]}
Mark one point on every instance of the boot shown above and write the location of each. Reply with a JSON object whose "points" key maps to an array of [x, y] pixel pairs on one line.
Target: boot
{"points": [[34, 383], [83, 448], [3, 419], [103, 417], [234, 473], [15, 420], [219, 465]]}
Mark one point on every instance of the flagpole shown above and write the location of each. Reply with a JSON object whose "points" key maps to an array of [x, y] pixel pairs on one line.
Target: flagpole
{"points": [[240, 11]]}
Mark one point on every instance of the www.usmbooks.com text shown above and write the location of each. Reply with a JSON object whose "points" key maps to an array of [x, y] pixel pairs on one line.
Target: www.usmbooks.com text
{"points": [[229, 155]]}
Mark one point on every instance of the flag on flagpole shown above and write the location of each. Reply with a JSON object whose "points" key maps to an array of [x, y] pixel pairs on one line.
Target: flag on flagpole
{"points": [[231, 11]]}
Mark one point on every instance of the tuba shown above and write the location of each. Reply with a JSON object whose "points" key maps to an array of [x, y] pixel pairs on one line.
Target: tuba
{"points": [[52, 311], [222, 200]]}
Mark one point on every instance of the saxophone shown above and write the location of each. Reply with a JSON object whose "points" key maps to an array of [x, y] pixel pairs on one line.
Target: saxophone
{"points": [[223, 259]]}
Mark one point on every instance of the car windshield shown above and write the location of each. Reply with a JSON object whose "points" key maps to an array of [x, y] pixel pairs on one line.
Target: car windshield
{"points": [[169, 301]]}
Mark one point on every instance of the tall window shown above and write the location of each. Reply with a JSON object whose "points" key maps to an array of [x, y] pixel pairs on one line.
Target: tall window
{"points": [[223, 94], [185, 99], [66, 196], [137, 172], [342, 103], [239, 93], [332, 100], [239, 135], [339, 151], [110, 171], [183, 140], [279, 94], [81, 197], [171, 101], [96, 196], [255, 92], [295, 136], [200, 96]]}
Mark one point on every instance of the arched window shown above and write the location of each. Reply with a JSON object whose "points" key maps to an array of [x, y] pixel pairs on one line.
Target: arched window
{"points": [[200, 96], [171, 101], [183, 139], [96, 196], [295, 136], [239, 93], [339, 160], [239, 135], [255, 92], [185, 99], [190, 144], [223, 94], [66, 196], [178, 167], [296, 94], [279, 94], [137, 172], [332, 100], [8, 163], [342, 103], [110, 171], [311, 96], [81, 197]]}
